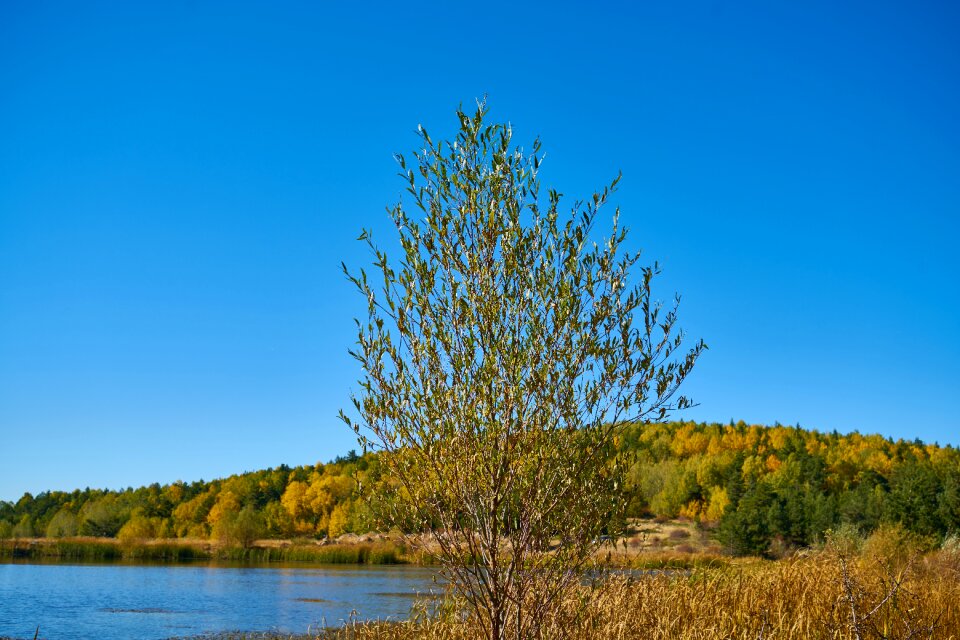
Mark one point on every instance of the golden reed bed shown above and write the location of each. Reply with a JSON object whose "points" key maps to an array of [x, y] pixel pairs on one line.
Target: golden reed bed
{"points": [[885, 591]]}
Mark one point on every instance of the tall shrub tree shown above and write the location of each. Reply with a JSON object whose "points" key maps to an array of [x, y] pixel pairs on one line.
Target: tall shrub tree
{"points": [[500, 354]]}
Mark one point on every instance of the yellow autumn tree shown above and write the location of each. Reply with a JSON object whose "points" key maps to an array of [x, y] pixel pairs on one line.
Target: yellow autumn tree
{"points": [[338, 521], [189, 518], [223, 511], [294, 499]]}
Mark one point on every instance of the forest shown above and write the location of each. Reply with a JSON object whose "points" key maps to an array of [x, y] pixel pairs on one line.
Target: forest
{"points": [[760, 490]]}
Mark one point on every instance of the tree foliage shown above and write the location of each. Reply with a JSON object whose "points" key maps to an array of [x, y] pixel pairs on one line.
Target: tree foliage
{"points": [[205, 509], [500, 353]]}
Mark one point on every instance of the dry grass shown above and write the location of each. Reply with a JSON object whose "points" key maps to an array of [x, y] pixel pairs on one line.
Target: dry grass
{"points": [[828, 594]]}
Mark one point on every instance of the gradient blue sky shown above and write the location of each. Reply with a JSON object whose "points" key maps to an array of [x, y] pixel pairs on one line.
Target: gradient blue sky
{"points": [[180, 181]]}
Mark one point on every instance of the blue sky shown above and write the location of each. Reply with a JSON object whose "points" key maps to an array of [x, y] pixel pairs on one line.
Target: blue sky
{"points": [[180, 181]]}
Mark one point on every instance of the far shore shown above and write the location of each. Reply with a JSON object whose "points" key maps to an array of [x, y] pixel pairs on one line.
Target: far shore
{"points": [[362, 550], [649, 544]]}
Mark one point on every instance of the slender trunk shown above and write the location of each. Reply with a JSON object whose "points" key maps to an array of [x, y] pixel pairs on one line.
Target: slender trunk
{"points": [[498, 629]]}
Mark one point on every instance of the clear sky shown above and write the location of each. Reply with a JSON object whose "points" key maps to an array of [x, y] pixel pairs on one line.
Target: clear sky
{"points": [[179, 182]]}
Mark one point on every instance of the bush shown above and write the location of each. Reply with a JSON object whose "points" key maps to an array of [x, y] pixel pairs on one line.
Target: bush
{"points": [[951, 545], [845, 540], [894, 546]]}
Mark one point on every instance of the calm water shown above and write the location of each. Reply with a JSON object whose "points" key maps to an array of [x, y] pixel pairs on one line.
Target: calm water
{"points": [[115, 601]]}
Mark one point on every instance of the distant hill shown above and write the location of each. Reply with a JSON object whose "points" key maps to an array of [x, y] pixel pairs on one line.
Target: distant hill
{"points": [[757, 487]]}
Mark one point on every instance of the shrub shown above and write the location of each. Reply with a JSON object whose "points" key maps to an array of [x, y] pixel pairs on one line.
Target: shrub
{"points": [[894, 546]]}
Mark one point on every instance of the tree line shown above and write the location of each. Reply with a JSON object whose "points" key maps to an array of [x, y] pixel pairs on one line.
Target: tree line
{"points": [[283, 502], [761, 489], [769, 489]]}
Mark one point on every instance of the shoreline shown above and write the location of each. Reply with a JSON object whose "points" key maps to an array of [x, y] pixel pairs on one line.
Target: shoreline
{"points": [[362, 551], [85, 549]]}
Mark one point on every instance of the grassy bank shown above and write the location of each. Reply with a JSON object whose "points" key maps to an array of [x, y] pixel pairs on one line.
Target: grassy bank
{"points": [[106, 549]]}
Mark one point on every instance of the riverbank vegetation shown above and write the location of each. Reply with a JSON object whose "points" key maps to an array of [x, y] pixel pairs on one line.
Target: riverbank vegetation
{"points": [[104, 550], [753, 489], [880, 587]]}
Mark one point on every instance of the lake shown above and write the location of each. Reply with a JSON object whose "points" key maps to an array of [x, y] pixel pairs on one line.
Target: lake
{"points": [[154, 602]]}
